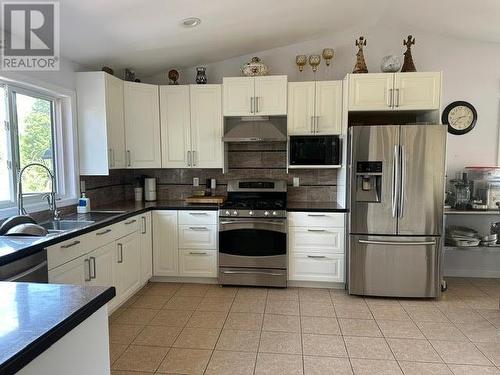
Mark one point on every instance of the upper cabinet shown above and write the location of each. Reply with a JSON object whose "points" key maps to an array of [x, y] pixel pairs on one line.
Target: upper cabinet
{"points": [[314, 107], [101, 131], [255, 96], [394, 91], [191, 126], [142, 125]]}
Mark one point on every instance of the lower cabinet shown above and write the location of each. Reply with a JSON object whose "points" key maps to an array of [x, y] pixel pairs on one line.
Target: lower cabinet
{"points": [[165, 249], [316, 267], [73, 272], [198, 263], [127, 261]]}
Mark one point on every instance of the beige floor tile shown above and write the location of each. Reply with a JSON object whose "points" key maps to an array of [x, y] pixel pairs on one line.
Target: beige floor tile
{"points": [[281, 323], [311, 308], [183, 303], [381, 301], [323, 345], [375, 367], [162, 289], [115, 351], [345, 299], [226, 291], [319, 325], [355, 311], [252, 292], [230, 363], [140, 358], [244, 321], [134, 316], [157, 336], [482, 331], [129, 302], [368, 348], [283, 307], [278, 364], [460, 353], [197, 338], [314, 294], [193, 290], [120, 372], [427, 313], [207, 319], [216, 304], [150, 302], [123, 333], [389, 312], [463, 315], [491, 351], [421, 368], [326, 366], [185, 361], [236, 340], [441, 331], [482, 302], [400, 329], [280, 342], [474, 370], [245, 304], [171, 318], [359, 327], [492, 315], [286, 293], [413, 350]]}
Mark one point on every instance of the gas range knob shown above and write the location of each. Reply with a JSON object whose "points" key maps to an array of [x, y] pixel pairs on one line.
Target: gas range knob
{"points": [[250, 213], [227, 213], [275, 213], [235, 213], [266, 213]]}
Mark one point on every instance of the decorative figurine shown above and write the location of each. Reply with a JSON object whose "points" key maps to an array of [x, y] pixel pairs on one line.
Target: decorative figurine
{"points": [[328, 55], [129, 75], [301, 61], [360, 66], [173, 76], [390, 64], [314, 61], [254, 68], [201, 76], [408, 65]]}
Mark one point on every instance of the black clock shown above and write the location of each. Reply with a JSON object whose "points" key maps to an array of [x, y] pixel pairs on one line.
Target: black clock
{"points": [[460, 116]]}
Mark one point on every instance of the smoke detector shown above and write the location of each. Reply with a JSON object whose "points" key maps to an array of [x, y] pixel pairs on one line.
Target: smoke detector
{"points": [[191, 22]]}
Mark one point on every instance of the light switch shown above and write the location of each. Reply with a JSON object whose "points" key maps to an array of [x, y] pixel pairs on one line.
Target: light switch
{"points": [[196, 181], [296, 182]]}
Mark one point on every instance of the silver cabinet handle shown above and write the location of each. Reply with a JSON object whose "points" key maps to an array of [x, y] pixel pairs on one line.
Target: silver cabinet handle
{"points": [[74, 243], [103, 232], [316, 122], [402, 158], [257, 104], [110, 158], [390, 98], [316, 215], [87, 267], [194, 158], [397, 98], [129, 159], [251, 104], [395, 179], [120, 253], [197, 253], [130, 222], [204, 229], [198, 213], [189, 158], [316, 230], [92, 263], [144, 229], [312, 124], [397, 243], [316, 256]]}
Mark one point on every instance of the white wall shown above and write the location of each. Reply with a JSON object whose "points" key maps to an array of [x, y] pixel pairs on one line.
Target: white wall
{"points": [[470, 69]]}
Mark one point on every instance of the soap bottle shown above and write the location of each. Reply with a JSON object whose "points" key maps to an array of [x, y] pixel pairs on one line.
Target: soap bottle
{"points": [[83, 205]]}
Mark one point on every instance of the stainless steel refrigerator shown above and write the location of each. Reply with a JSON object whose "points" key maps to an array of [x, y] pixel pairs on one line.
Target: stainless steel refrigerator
{"points": [[396, 199]]}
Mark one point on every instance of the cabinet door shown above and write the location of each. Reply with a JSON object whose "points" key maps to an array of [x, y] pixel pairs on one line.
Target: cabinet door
{"points": [[198, 263], [328, 107], [127, 261], [238, 96], [270, 95], [417, 91], [142, 125], [206, 126], [316, 267], [165, 244], [102, 265], [75, 272], [175, 126], [300, 108], [370, 92], [115, 121], [146, 248]]}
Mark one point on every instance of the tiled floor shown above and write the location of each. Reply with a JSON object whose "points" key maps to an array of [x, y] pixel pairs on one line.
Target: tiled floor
{"points": [[203, 329]]}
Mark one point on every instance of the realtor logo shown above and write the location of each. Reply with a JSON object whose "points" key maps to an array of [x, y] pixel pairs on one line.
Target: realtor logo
{"points": [[30, 35]]}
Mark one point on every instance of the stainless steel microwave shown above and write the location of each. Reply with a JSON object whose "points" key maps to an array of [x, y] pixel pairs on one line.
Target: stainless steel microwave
{"points": [[314, 150]]}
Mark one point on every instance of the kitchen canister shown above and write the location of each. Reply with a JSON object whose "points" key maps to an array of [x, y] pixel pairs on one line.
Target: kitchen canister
{"points": [[138, 194]]}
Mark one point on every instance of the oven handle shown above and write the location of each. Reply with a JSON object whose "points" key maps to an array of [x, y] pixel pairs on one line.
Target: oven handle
{"points": [[252, 273], [252, 224]]}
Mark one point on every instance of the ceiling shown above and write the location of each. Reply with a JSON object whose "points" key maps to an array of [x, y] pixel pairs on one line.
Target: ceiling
{"points": [[147, 35]]}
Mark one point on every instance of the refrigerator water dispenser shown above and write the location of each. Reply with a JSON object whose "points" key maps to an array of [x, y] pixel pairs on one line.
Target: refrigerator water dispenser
{"points": [[368, 181]]}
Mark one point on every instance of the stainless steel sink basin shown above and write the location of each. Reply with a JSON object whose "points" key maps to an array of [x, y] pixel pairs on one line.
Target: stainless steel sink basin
{"points": [[65, 225]]}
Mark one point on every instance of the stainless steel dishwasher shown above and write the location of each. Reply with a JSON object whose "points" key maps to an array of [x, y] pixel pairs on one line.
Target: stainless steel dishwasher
{"points": [[32, 268]]}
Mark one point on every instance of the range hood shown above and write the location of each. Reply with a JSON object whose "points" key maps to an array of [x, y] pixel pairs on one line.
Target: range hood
{"points": [[255, 129]]}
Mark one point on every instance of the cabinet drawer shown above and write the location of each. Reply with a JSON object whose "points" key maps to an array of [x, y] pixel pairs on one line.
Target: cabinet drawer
{"points": [[105, 235], [317, 267], [198, 237], [321, 219], [68, 250], [316, 239], [198, 217], [199, 263], [128, 226]]}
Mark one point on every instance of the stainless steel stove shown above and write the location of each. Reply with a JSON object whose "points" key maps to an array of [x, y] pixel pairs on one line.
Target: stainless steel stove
{"points": [[253, 235]]}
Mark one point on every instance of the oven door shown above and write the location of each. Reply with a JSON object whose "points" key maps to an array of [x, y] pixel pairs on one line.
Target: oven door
{"points": [[256, 243]]}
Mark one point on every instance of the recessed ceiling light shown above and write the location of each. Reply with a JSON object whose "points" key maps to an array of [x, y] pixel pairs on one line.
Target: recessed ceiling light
{"points": [[191, 22]]}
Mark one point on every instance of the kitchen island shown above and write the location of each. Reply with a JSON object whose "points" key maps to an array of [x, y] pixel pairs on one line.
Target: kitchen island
{"points": [[51, 329]]}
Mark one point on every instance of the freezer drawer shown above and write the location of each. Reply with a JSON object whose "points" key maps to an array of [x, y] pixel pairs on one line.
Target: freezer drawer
{"points": [[394, 266]]}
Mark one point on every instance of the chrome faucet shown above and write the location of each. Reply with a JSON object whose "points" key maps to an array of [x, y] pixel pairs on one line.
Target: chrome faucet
{"points": [[51, 197]]}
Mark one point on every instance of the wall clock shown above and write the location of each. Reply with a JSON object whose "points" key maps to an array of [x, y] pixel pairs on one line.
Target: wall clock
{"points": [[460, 116]]}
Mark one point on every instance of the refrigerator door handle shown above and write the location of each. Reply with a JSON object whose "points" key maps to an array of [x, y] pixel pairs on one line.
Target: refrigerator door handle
{"points": [[397, 243], [395, 179], [402, 158]]}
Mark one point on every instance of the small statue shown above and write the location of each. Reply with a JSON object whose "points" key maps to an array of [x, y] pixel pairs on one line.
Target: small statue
{"points": [[408, 65], [173, 76], [360, 66]]}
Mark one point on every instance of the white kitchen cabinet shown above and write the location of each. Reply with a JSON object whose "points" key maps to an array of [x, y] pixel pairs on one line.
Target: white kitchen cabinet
{"points": [[142, 125], [198, 237], [255, 96], [191, 126], [317, 267], [101, 127], [127, 265], [73, 272], [316, 239], [146, 247], [165, 243], [101, 265], [394, 91], [314, 107], [197, 217], [197, 263]]}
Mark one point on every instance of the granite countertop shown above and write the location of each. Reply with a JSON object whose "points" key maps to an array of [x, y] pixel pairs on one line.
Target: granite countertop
{"points": [[315, 207], [35, 316]]}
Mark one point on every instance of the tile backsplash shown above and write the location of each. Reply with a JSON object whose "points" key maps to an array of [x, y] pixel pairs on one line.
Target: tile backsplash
{"points": [[245, 160]]}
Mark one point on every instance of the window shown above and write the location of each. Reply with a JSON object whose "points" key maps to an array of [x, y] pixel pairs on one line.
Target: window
{"points": [[28, 134]]}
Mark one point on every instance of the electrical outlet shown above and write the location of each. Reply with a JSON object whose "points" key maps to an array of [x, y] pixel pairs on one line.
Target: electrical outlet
{"points": [[296, 182], [196, 181]]}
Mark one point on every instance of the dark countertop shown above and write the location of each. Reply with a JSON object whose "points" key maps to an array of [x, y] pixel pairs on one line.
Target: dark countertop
{"points": [[12, 248], [35, 316]]}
